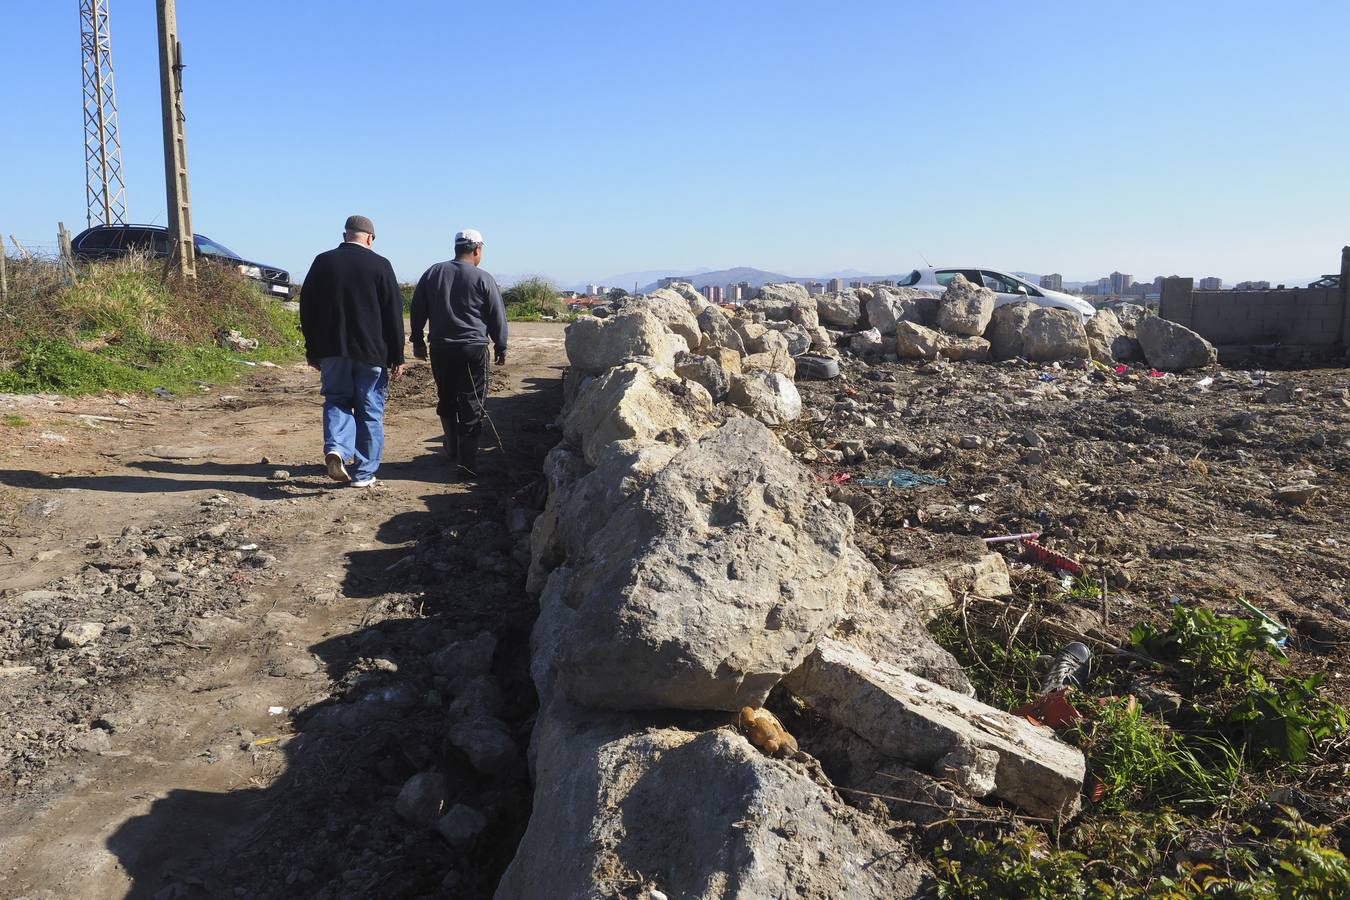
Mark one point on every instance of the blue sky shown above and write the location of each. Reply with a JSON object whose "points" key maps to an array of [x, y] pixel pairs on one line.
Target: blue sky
{"points": [[587, 139]]}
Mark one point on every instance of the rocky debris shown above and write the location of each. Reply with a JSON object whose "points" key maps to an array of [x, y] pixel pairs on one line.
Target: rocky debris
{"points": [[1170, 347], [840, 310], [705, 371], [780, 362], [786, 292], [986, 576], [964, 349], [866, 343], [717, 331], [422, 799], [710, 585], [78, 634], [1297, 494], [1053, 334], [234, 341], [767, 396], [462, 661], [691, 814], [965, 309], [918, 722], [763, 729], [461, 825], [1110, 343], [673, 311], [487, 743], [697, 302], [594, 345]]}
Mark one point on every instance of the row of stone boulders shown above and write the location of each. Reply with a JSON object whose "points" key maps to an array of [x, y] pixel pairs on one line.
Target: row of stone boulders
{"points": [[686, 564], [963, 323]]}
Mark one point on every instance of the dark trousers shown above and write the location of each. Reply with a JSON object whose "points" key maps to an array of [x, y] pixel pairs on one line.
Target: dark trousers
{"points": [[461, 373]]}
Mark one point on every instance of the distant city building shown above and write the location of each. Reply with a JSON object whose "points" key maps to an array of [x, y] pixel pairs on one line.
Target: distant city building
{"points": [[1120, 283], [1210, 284], [856, 284], [601, 290], [1103, 287], [1252, 286], [713, 292], [886, 282], [669, 280], [592, 289], [1053, 282], [815, 287], [836, 285]]}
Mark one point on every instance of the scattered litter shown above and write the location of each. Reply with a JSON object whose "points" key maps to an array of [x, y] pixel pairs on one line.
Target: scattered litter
{"points": [[901, 478], [1052, 709], [52, 436], [276, 710], [1071, 667], [1009, 538], [162, 392], [1204, 383], [1044, 555], [1046, 376], [1269, 625], [1122, 369], [1154, 373]]}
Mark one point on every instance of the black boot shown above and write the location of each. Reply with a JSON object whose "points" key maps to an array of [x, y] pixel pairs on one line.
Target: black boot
{"points": [[468, 456], [449, 427]]}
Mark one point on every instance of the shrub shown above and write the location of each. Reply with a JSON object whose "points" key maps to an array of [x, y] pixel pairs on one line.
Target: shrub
{"points": [[532, 298]]}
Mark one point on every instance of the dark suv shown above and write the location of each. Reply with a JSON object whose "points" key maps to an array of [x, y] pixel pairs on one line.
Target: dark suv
{"points": [[112, 241]]}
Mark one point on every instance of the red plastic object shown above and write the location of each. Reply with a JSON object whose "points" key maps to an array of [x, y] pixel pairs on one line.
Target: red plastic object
{"points": [[1043, 554], [1154, 373], [1053, 709], [1122, 369]]}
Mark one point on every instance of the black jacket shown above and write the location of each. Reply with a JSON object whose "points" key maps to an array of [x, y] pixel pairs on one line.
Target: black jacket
{"points": [[350, 306], [462, 304]]}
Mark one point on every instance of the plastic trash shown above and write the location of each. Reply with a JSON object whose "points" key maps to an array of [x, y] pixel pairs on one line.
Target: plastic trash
{"points": [[1122, 369], [901, 478]]}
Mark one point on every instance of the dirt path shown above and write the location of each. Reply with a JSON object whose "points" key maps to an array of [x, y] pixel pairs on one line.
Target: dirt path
{"points": [[260, 687]]}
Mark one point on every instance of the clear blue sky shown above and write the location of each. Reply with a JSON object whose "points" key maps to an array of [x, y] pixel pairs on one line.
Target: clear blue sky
{"points": [[588, 139]]}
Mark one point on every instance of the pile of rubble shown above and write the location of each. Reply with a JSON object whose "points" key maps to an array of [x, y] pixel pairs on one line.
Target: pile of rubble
{"points": [[687, 566]]}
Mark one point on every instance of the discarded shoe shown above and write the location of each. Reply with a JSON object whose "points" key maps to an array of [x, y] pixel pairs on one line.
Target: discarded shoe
{"points": [[1071, 667]]}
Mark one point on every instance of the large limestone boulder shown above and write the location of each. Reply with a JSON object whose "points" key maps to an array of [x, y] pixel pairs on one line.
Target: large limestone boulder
{"points": [[916, 342], [888, 306], [1053, 334], [779, 361], [965, 308], [970, 349], [563, 468], [729, 360], [1172, 347], [691, 815], [1109, 340], [1006, 327], [673, 311], [710, 584], [786, 293], [631, 402], [764, 394], [594, 345], [770, 341], [697, 302], [706, 371], [805, 314], [717, 330], [885, 619], [841, 310], [797, 337], [917, 722], [749, 330]]}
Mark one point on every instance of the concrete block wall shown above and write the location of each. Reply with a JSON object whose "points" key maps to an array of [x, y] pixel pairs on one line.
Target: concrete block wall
{"points": [[1314, 318]]}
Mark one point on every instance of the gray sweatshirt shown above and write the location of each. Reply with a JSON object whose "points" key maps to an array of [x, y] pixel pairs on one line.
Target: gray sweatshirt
{"points": [[462, 303]]}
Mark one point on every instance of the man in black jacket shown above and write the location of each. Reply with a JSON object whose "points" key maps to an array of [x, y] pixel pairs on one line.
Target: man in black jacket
{"points": [[351, 314], [464, 308]]}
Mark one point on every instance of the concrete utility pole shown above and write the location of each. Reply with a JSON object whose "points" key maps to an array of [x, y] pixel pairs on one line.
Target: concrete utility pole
{"points": [[105, 189], [175, 144]]}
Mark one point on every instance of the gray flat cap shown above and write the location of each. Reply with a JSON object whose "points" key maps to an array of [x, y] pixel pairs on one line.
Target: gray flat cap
{"points": [[360, 223]]}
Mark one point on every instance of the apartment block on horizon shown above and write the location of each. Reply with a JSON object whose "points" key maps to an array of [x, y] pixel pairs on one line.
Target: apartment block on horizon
{"points": [[1211, 283], [1053, 282], [1120, 283], [713, 292], [835, 285]]}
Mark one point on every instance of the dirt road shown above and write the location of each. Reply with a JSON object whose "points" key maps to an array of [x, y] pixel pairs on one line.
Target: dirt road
{"points": [[218, 669]]}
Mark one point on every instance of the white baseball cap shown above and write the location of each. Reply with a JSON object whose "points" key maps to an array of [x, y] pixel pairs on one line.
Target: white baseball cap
{"points": [[469, 236]]}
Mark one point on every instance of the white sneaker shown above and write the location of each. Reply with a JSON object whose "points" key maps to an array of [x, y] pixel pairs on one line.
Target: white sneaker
{"points": [[364, 482], [336, 470]]}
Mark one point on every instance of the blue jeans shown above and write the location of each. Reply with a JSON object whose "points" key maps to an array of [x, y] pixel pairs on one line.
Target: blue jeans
{"points": [[353, 411]]}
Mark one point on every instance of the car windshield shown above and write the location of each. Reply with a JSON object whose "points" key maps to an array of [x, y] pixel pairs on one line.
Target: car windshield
{"points": [[911, 278], [211, 248]]}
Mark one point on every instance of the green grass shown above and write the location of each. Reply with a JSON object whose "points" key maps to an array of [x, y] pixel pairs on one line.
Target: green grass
{"points": [[119, 328], [13, 420]]}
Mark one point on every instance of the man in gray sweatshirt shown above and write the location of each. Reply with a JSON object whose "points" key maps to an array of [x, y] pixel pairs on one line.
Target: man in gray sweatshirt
{"points": [[465, 309]]}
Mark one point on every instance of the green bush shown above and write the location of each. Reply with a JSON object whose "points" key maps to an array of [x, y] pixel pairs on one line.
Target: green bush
{"points": [[120, 327], [533, 298]]}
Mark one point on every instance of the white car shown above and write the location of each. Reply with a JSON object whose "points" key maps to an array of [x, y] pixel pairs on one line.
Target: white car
{"points": [[1006, 288]]}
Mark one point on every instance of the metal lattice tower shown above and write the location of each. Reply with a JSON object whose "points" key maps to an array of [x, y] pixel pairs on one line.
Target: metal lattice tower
{"points": [[105, 189]]}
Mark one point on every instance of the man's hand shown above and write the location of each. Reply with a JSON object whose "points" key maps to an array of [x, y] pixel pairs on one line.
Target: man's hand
{"points": [[500, 357], [396, 372], [419, 351]]}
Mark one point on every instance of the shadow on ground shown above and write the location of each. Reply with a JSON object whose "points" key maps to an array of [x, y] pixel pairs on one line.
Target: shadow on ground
{"points": [[327, 826]]}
